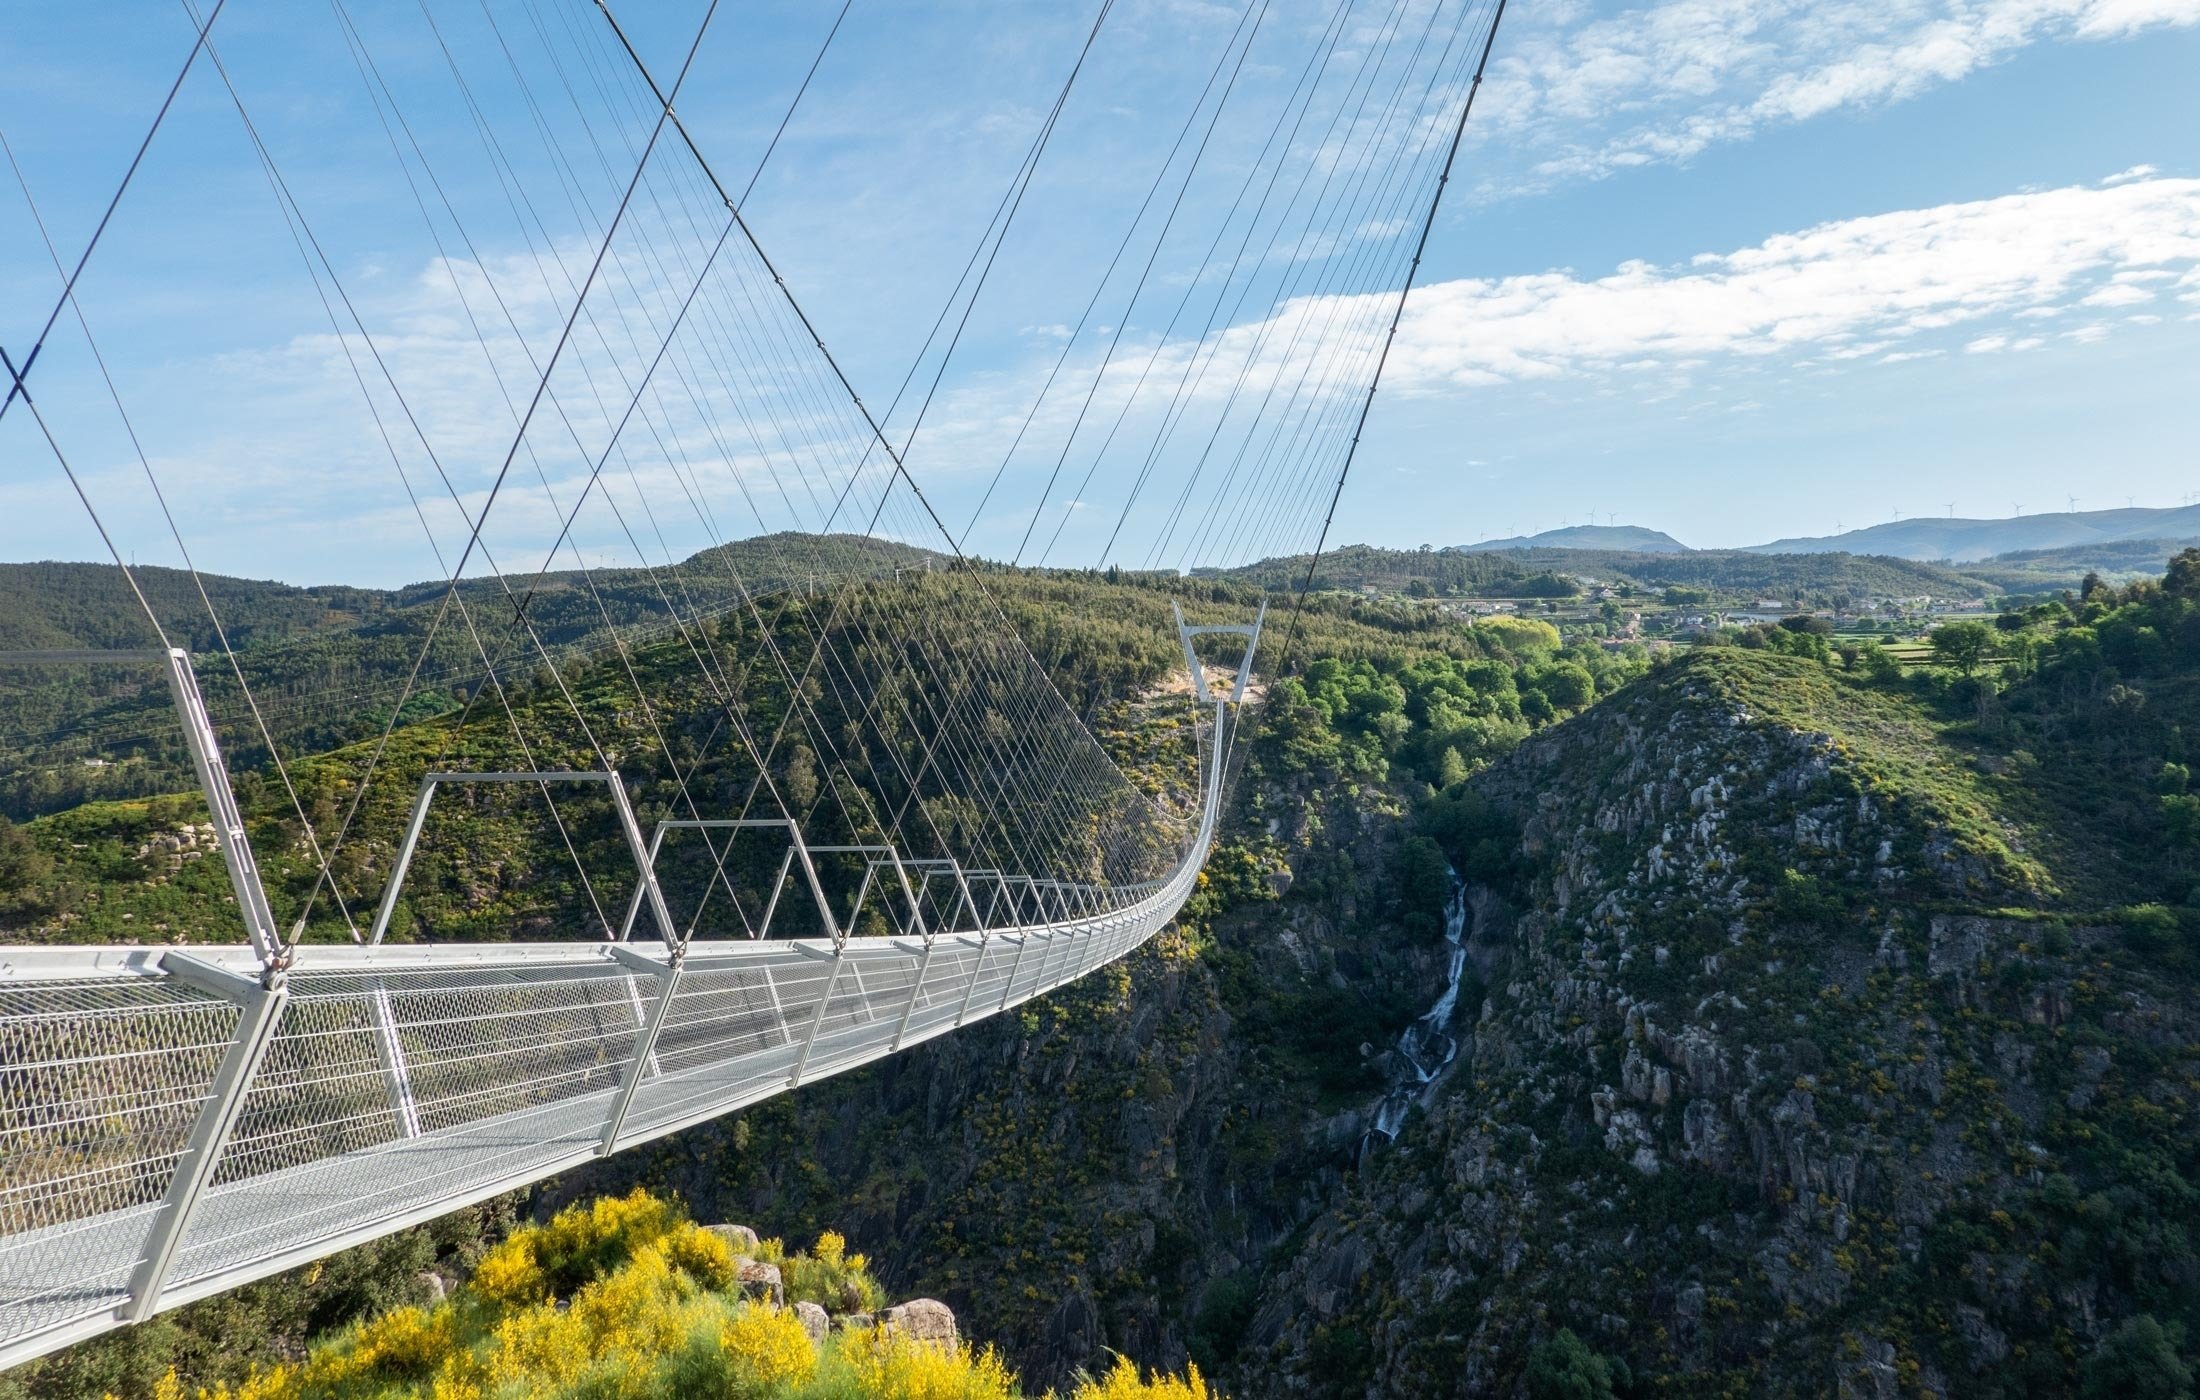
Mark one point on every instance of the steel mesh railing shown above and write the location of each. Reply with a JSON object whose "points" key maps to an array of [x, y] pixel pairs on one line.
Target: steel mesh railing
{"points": [[398, 1084], [100, 1083]]}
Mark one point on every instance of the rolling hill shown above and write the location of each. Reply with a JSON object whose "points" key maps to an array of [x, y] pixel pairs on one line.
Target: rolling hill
{"points": [[1966, 541], [1632, 539], [1816, 578]]}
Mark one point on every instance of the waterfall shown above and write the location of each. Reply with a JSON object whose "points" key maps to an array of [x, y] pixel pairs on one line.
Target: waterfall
{"points": [[1427, 1047]]}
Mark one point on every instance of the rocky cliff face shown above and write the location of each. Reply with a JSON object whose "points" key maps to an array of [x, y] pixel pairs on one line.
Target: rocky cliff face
{"points": [[1755, 1102]]}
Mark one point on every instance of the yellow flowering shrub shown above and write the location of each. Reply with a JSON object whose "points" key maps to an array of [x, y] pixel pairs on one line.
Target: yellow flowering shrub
{"points": [[703, 1256], [625, 1299], [889, 1366], [580, 1243], [765, 1346], [828, 1275], [509, 1273], [1126, 1383]]}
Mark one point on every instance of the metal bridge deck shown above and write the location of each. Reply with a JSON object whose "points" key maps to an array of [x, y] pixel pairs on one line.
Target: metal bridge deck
{"points": [[508, 1066]]}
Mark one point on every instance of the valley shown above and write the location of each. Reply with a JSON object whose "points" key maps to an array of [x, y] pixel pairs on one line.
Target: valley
{"points": [[1790, 1026]]}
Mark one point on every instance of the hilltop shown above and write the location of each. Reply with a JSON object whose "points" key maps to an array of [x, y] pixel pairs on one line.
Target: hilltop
{"points": [[330, 663], [1630, 539]]}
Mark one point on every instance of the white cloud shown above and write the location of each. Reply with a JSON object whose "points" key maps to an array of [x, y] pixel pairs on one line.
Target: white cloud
{"points": [[2117, 294], [1666, 81], [2136, 172], [1838, 291]]}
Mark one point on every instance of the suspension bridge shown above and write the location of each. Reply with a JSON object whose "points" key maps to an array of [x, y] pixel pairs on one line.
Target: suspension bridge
{"points": [[690, 595]]}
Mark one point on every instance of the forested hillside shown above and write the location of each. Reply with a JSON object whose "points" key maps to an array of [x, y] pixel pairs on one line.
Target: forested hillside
{"points": [[2044, 570], [328, 666]]}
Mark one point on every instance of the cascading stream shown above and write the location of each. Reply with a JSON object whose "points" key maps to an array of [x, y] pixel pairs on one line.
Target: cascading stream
{"points": [[1426, 1048]]}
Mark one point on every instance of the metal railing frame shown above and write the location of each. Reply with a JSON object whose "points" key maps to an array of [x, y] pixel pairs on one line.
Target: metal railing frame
{"points": [[795, 851], [431, 783]]}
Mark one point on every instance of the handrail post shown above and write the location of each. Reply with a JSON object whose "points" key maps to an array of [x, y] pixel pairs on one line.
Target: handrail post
{"points": [[916, 991], [817, 889], [259, 1012], [634, 905], [644, 865], [396, 1074], [977, 970], [779, 885], [221, 802], [817, 1020], [779, 1008], [403, 862], [1023, 945], [645, 1044]]}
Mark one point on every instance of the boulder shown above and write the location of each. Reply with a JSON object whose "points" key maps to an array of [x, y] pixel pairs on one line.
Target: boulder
{"points": [[921, 1319], [853, 1322], [761, 1281], [814, 1321], [739, 1238], [432, 1286]]}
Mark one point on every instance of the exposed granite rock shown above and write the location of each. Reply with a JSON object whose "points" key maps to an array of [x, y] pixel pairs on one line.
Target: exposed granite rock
{"points": [[814, 1320], [762, 1281], [921, 1319]]}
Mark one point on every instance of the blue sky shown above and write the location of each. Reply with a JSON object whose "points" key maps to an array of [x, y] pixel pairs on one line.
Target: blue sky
{"points": [[1732, 270]]}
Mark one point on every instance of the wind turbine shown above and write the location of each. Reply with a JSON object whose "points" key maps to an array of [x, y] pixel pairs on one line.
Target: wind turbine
{"points": [[1951, 509], [2016, 508], [2073, 504]]}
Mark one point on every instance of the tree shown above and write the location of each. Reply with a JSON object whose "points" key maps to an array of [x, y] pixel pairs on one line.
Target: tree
{"points": [[2183, 577], [2138, 1358], [1564, 1368], [1880, 665], [1450, 769], [1566, 685], [1963, 645]]}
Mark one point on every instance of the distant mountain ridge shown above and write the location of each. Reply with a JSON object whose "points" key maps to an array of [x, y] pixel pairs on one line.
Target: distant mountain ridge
{"points": [[1628, 539], [1964, 541]]}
